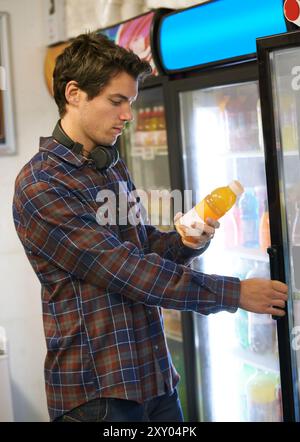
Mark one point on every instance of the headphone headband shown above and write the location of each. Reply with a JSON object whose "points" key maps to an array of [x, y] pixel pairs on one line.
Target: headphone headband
{"points": [[103, 157]]}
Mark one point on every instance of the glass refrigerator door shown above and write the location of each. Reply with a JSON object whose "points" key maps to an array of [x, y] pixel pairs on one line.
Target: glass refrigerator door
{"points": [[286, 101], [144, 148], [238, 365]]}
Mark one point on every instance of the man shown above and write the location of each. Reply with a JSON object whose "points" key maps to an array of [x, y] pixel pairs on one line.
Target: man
{"points": [[103, 285]]}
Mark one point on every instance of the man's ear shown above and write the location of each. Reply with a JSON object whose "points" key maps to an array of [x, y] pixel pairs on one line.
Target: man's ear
{"points": [[72, 93]]}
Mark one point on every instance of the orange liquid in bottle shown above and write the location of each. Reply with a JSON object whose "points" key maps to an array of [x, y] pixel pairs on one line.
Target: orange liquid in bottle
{"points": [[216, 204]]}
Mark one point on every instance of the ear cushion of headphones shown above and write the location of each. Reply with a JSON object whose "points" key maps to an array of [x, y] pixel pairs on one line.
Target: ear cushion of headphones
{"points": [[105, 157]]}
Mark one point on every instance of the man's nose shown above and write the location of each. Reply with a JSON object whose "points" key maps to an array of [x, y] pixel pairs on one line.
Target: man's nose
{"points": [[127, 114]]}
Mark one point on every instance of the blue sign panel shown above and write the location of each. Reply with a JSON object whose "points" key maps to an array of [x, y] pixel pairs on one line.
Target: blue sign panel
{"points": [[217, 30]]}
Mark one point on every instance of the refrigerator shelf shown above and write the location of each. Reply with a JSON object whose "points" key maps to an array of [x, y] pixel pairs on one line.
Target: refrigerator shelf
{"points": [[291, 153], [148, 152], [263, 361], [245, 154]]}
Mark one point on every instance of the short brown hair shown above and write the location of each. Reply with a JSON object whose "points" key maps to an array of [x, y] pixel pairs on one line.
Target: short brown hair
{"points": [[92, 60]]}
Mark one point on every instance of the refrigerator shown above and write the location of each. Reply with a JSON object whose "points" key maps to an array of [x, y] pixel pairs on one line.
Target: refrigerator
{"points": [[216, 133], [144, 147], [201, 122]]}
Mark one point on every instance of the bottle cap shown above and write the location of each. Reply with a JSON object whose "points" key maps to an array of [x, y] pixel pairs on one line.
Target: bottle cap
{"points": [[236, 187]]}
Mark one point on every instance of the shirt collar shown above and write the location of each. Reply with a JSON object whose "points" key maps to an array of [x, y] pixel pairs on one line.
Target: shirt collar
{"points": [[49, 144]]}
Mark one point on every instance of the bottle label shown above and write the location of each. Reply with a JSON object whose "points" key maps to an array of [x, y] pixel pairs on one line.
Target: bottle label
{"points": [[188, 219], [261, 333], [249, 231]]}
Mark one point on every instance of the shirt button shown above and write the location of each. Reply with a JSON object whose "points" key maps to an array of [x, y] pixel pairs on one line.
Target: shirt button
{"points": [[156, 347]]}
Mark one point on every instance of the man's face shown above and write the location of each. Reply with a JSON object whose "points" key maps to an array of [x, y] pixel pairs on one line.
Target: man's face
{"points": [[102, 119]]}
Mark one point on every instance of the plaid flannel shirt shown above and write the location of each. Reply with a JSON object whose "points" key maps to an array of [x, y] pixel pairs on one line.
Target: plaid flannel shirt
{"points": [[103, 287]]}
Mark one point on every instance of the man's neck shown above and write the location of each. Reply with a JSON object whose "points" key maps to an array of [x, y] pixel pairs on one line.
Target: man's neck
{"points": [[69, 128]]}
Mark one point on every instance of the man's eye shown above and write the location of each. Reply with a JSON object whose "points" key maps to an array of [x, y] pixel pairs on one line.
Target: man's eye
{"points": [[115, 103]]}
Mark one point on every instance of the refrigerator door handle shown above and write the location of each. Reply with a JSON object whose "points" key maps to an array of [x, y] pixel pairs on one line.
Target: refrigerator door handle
{"points": [[274, 256]]}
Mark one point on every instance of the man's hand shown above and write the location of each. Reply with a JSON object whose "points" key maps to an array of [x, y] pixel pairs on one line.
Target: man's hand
{"points": [[198, 234], [263, 296]]}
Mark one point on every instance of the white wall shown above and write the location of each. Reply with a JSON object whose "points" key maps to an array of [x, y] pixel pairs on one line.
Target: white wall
{"points": [[20, 304]]}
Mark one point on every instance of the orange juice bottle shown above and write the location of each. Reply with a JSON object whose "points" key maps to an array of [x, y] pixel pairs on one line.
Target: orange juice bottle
{"points": [[214, 205]]}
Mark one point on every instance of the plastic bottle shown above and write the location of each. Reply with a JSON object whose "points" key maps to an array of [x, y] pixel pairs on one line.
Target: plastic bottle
{"points": [[139, 132], [241, 328], [296, 248], [231, 238], [214, 205], [249, 218], [264, 229], [245, 373], [261, 331], [262, 397], [261, 328], [148, 133]]}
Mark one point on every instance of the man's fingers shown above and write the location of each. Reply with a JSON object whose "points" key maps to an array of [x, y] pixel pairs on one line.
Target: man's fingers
{"points": [[278, 303], [280, 295], [211, 222], [279, 286], [203, 228], [177, 216], [276, 311]]}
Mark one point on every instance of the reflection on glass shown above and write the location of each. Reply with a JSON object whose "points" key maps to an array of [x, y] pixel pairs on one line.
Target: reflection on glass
{"points": [[286, 96], [222, 141]]}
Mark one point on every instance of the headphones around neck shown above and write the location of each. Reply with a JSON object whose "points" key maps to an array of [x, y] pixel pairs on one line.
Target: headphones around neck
{"points": [[104, 157]]}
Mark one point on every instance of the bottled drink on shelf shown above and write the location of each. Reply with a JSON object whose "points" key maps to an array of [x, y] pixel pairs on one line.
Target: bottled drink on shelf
{"points": [[148, 127], [154, 125], [237, 216], [230, 229], [261, 328], [245, 373], [161, 133], [241, 328], [248, 205], [296, 248], [261, 195], [139, 132], [264, 230], [263, 397]]}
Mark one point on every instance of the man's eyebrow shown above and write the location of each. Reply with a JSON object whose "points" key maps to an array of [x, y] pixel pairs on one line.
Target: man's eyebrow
{"points": [[123, 97]]}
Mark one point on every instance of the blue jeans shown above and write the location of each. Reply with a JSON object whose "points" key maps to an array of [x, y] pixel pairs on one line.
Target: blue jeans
{"points": [[160, 409]]}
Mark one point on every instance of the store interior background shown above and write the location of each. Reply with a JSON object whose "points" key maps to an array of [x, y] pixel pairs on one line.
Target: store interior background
{"points": [[35, 115]]}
